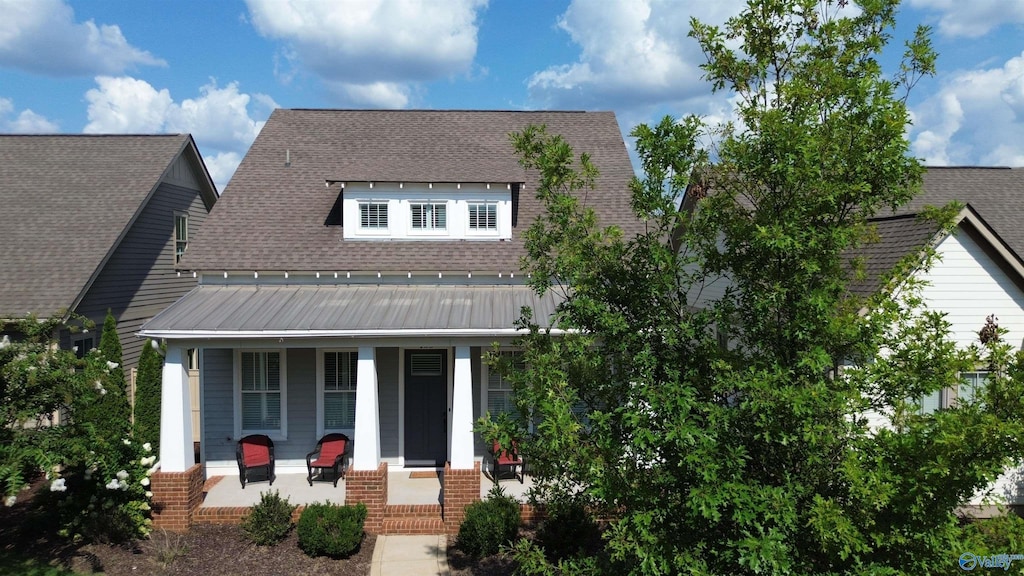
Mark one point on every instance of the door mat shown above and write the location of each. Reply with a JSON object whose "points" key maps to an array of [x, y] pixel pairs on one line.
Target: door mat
{"points": [[423, 474]]}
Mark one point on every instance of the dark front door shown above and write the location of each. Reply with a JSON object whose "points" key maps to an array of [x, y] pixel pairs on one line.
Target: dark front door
{"points": [[426, 407]]}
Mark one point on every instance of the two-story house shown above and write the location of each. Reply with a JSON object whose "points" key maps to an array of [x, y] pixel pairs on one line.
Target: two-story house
{"points": [[97, 223], [355, 271]]}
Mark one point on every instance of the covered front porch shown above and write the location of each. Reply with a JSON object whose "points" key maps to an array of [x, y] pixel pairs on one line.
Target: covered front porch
{"points": [[405, 381]]}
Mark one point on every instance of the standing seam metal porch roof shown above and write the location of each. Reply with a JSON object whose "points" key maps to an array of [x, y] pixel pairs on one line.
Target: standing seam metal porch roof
{"points": [[304, 310]]}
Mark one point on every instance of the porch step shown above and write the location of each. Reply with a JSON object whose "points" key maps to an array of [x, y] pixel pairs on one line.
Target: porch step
{"points": [[413, 519]]}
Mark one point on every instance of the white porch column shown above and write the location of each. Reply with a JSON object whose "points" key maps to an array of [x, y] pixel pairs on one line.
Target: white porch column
{"points": [[176, 450], [367, 433], [462, 411]]}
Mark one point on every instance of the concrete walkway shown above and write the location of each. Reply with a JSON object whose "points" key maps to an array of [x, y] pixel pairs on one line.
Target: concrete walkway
{"points": [[410, 556]]}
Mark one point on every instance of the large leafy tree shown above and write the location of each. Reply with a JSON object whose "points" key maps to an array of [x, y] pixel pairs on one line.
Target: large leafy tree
{"points": [[730, 434]]}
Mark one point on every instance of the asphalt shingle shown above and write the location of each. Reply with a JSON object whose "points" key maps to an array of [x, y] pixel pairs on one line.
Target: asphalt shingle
{"points": [[271, 215], [65, 200]]}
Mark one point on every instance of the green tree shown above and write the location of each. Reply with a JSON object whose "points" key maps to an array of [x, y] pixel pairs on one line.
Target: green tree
{"points": [[730, 435], [147, 397], [111, 413]]}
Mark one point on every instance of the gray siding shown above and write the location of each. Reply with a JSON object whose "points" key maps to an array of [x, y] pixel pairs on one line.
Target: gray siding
{"points": [[139, 280], [301, 406], [388, 399], [218, 411]]}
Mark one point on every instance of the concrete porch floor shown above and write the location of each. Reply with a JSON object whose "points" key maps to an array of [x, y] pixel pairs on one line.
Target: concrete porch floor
{"points": [[226, 491]]}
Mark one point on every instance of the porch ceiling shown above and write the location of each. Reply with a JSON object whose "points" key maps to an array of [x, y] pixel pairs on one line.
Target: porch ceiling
{"points": [[348, 310]]}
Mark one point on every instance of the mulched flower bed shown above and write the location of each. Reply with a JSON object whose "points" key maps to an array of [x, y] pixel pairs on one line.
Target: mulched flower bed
{"points": [[205, 549], [464, 565]]}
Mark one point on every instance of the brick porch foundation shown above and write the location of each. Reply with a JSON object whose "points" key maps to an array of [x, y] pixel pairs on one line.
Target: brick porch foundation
{"points": [[176, 495], [461, 488], [371, 488]]}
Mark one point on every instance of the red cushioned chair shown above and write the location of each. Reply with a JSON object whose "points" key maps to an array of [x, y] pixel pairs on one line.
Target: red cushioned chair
{"points": [[330, 454], [510, 459], [255, 451]]}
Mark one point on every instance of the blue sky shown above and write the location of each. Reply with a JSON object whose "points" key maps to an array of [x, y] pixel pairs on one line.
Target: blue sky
{"points": [[216, 69]]}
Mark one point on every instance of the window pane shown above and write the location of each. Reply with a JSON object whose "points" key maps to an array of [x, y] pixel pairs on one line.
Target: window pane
{"points": [[261, 411], [340, 370], [931, 403], [330, 371], [373, 215], [429, 216], [483, 217], [339, 410], [273, 366], [248, 371], [499, 402], [972, 385], [440, 212]]}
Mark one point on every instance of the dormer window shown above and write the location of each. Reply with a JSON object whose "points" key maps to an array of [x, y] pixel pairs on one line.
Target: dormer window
{"points": [[483, 216], [425, 211], [429, 216], [373, 216]]}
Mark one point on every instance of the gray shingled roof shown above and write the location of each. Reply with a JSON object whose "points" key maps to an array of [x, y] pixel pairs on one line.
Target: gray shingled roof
{"points": [[898, 237], [66, 200], [995, 194], [271, 216], [330, 310]]}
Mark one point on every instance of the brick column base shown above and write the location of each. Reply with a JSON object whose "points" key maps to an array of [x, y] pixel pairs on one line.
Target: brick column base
{"points": [[461, 488], [176, 495], [371, 488]]}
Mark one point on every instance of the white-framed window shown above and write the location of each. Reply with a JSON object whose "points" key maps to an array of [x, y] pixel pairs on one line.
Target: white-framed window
{"points": [[482, 217], [428, 216], [971, 385], [338, 394], [373, 215], [180, 235], [499, 389], [262, 406]]}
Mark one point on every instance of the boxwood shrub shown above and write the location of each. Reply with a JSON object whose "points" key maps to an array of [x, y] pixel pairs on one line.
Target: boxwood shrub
{"points": [[489, 524], [331, 530]]}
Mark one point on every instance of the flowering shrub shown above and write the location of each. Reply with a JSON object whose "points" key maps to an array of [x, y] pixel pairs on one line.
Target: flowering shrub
{"points": [[98, 481], [107, 497]]}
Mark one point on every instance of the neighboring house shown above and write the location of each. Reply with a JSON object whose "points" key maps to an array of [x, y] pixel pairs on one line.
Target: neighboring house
{"points": [[93, 223], [351, 278], [979, 271]]}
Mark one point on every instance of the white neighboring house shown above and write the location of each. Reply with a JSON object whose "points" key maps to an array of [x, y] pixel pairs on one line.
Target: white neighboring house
{"points": [[979, 271]]}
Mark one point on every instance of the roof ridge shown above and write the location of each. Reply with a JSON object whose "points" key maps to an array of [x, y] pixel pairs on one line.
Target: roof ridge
{"points": [[496, 111]]}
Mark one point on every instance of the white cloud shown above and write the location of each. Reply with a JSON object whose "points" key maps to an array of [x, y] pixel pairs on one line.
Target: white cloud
{"points": [[371, 51], [24, 122], [126, 105], [221, 166], [634, 52], [43, 37], [973, 18], [223, 121], [376, 95], [977, 117]]}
